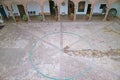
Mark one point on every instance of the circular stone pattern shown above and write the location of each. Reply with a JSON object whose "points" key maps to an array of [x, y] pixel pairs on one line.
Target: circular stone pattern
{"points": [[49, 59]]}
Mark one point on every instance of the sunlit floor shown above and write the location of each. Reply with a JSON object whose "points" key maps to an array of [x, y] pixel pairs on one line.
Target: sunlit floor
{"points": [[60, 51]]}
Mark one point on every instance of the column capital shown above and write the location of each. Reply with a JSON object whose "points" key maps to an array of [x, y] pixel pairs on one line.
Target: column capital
{"points": [[58, 4], [108, 6], [76, 6]]}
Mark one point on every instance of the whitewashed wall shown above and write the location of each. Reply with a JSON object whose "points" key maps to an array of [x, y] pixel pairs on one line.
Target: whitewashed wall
{"points": [[15, 9], [34, 6], [97, 6], [46, 7], [117, 6], [64, 9]]}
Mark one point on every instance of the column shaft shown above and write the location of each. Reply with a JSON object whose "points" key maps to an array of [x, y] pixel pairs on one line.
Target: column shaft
{"points": [[105, 18], [26, 12], [42, 12], [58, 12], [11, 12], [91, 12], [75, 13]]}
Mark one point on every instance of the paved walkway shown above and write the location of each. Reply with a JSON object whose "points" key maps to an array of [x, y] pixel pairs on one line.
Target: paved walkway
{"points": [[60, 51]]}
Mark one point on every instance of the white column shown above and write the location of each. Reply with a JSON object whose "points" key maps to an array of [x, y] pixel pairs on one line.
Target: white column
{"points": [[75, 8], [58, 8], [26, 11], [91, 12], [11, 12], [42, 12], [108, 8]]}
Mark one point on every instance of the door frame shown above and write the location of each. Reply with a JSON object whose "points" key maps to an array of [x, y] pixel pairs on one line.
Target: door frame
{"points": [[73, 5], [88, 9], [21, 14]]}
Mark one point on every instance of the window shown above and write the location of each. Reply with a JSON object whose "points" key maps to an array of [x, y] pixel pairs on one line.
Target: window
{"points": [[102, 6], [81, 6]]}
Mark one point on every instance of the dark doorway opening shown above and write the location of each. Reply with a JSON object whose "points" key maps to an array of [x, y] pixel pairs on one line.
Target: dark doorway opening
{"points": [[2, 11], [70, 7], [52, 7], [21, 10], [89, 9]]}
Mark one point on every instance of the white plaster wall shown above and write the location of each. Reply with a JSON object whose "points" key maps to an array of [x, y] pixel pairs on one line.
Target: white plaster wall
{"points": [[33, 6], [64, 9], [15, 9], [46, 7], [117, 6], [96, 8]]}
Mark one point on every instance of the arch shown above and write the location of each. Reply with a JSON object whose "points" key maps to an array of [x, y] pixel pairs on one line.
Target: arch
{"points": [[53, 7], [16, 2], [71, 6], [81, 6], [112, 12], [88, 1]]}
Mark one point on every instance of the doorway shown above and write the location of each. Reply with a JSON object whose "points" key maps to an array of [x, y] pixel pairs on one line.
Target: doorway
{"points": [[52, 7], [21, 10], [89, 9], [70, 7], [2, 11]]}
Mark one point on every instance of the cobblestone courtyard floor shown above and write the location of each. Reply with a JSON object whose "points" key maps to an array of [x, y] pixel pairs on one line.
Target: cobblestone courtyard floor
{"points": [[60, 51]]}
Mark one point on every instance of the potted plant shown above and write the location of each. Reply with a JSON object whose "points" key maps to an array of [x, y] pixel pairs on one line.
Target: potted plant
{"points": [[40, 17], [1, 22], [16, 18], [71, 16], [25, 18], [87, 16]]}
